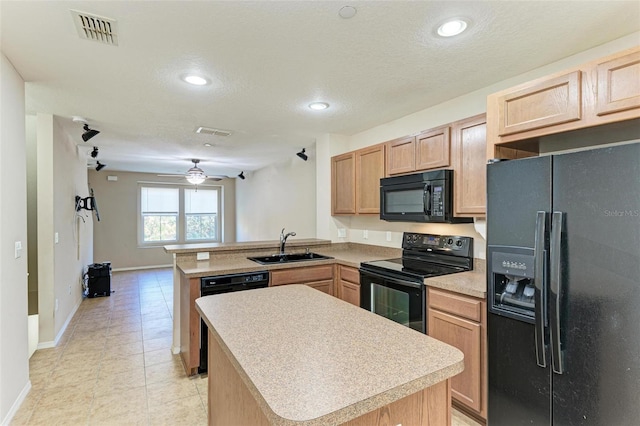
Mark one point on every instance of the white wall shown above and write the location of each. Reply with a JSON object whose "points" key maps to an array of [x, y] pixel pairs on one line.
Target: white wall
{"points": [[14, 357], [62, 174], [278, 196]]}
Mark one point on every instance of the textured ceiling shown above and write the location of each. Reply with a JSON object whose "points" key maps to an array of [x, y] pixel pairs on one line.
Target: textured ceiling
{"points": [[268, 60]]}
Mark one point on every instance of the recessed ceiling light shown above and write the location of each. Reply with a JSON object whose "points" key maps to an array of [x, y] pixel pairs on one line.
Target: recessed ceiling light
{"points": [[207, 144], [347, 12], [452, 27], [319, 105], [196, 80]]}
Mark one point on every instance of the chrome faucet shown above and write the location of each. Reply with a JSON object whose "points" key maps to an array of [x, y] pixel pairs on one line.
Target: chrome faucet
{"points": [[283, 239]]}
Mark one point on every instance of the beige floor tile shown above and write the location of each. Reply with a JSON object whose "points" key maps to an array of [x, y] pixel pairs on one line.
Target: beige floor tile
{"points": [[124, 328], [123, 349], [109, 381], [140, 418], [155, 344], [119, 403], [157, 333], [165, 323], [84, 346], [188, 411], [80, 393], [120, 339], [460, 419], [62, 415], [118, 364], [163, 372], [162, 392], [159, 356], [62, 377]]}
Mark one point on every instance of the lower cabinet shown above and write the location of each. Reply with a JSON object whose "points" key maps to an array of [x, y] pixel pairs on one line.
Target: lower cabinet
{"points": [[460, 321], [318, 277], [348, 284]]}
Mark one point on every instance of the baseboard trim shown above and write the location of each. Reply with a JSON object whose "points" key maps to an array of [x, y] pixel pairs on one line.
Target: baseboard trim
{"points": [[54, 343], [139, 268], [16, 405]]}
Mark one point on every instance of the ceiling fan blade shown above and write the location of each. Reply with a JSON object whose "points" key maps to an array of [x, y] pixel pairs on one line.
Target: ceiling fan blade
{"points": [[170, 176]]}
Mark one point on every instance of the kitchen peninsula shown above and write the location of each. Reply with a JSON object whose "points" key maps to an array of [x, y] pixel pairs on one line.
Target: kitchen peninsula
{"points": [[285, 356]]}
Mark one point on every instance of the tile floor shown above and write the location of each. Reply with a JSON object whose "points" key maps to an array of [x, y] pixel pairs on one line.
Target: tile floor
{"points": [[113, 365]]}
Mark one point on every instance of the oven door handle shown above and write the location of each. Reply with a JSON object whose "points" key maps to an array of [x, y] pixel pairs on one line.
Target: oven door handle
{"points": [[392, 280]]}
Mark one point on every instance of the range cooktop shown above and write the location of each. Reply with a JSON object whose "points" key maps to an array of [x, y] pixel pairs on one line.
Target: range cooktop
{"points": [[425, 256]]}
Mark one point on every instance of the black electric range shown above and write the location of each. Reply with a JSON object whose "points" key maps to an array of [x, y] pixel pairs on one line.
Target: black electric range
{"points": [[394, 288], [425, 256]]}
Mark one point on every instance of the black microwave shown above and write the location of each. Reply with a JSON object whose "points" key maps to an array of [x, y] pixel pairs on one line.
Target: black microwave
{"points": [[419, 197]]}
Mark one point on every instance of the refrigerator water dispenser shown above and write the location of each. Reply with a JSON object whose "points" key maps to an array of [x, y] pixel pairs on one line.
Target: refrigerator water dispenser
{"points": [[511, 287]]}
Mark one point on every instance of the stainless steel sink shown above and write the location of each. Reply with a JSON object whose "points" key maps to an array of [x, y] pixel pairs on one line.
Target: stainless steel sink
{"points": [[286, 258]]}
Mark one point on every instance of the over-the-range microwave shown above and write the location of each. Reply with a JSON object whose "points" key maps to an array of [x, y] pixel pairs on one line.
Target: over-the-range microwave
{"points": [[419, 197]]}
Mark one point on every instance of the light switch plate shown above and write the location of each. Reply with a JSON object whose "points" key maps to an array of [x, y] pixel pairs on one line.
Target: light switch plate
{"points": [[18, 249], [56, 237], [365, 234], [202, 255]]}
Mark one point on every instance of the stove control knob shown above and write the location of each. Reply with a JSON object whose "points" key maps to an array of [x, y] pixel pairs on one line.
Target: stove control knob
{"points": [[459, 243], [450, 241]]}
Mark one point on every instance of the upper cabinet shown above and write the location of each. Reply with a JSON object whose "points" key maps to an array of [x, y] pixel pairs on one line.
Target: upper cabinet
{"points": [[355, 181], [599, 92], [369, 171], [470, 181], [343, 184], [427, 150]]}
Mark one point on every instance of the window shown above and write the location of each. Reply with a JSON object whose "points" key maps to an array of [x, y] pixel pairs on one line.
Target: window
{"points": [[178, 214], [201, 211], [159, 208]]}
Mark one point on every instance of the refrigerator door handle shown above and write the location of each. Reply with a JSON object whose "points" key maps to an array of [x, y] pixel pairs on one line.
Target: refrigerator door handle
{"points": [[540, 283], [557, 359]]}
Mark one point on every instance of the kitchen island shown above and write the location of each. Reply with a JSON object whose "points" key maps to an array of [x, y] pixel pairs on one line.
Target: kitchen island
{"points": [[292, 355]]}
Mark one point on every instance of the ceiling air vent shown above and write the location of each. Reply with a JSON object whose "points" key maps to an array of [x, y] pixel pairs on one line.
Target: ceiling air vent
{"points": [[96, 28], [211, 131]]}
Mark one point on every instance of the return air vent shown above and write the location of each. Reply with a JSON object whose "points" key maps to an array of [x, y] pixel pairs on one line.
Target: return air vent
{"points": [[95, 28], [211, 131]]}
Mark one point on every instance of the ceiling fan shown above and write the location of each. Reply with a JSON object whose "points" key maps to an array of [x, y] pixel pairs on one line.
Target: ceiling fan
{"points": [[196, 175]]}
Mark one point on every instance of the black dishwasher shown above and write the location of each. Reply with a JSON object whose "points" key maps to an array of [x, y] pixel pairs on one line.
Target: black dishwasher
{"points": [[226, 284]]}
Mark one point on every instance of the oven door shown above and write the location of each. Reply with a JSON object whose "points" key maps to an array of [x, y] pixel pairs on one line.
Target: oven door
{"points": [[396, 299]]}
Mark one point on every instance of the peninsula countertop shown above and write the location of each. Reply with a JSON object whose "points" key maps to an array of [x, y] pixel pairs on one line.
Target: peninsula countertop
{"points": [[309, 358]]}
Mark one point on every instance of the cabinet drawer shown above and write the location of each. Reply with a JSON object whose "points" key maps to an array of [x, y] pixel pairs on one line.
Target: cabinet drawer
{"points": [[349, 274], [301, 275], [462, 306]]}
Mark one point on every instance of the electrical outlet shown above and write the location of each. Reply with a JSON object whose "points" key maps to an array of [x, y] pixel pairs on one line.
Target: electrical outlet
{"points": [[56, 307], [204, 255], [56, 237], [365, 234], [69, 288], [388, 235], [342, 233]]}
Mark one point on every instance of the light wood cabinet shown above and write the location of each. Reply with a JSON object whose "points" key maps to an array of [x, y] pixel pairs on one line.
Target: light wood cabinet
{"points": [[319, 277], [189, 324], [460, 321], [427, 150], [401, 156], [470, 180], [369, 171], [600, 92], [348, 284], [433, 149], [355, 181], [343, 184]]}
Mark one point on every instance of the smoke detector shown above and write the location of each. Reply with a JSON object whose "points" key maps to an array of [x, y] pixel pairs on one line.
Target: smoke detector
{"points": [[212, 131], [95, 28]]}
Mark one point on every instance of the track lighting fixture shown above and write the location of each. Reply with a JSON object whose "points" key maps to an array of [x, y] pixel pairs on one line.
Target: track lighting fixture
{"points": [[302, 154], [88, 133], [241, 175], [94, 153], [100, 166]]}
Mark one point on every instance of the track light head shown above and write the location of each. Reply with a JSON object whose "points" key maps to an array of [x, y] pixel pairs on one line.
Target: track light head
{"points": [[100, 166], [94, 153], [302, 155], [88, 133], [241, 175]]}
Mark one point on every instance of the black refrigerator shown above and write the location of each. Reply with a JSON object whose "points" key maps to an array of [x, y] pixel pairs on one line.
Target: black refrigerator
{"points": [[563, 275]]}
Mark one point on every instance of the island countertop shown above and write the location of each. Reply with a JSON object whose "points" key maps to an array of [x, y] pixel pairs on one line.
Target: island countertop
{"points": [[309, 358]]}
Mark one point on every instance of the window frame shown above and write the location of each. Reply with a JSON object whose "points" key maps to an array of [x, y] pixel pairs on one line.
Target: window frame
{"points": [[181, 225]]}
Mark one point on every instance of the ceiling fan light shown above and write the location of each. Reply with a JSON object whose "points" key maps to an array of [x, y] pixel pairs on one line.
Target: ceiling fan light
{"points": [[195, 179]]}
